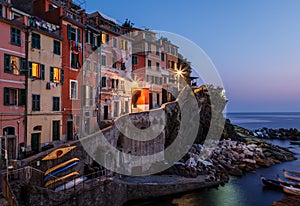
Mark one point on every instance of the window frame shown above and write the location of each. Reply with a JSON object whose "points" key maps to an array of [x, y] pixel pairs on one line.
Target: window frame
{"points": [[15, 36], [135, 60], [55, 103], [76, 90], [35, 40], [56, 47], [36, 102]]}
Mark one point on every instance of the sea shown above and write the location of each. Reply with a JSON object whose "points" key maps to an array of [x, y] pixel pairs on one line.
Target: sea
{"points": [[247, 190]]}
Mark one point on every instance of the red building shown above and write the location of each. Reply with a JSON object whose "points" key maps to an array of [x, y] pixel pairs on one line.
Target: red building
{"points": [[12, 78]]}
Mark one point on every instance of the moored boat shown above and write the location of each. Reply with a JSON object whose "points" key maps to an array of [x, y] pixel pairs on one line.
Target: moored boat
{"points": [[291, 190], [292, 175], [61, 165], [271, 183], [50, 182], [52, 174]]}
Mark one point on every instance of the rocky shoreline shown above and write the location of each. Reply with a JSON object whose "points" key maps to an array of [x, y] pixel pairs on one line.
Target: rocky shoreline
{"points": [[281, 133]]}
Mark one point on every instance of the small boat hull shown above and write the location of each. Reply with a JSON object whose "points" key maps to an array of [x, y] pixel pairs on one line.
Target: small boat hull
{"points": [[58, 153], [291, 176], [291, 190], [71, 184], [50, 182], [52, 174], [61, 165]]}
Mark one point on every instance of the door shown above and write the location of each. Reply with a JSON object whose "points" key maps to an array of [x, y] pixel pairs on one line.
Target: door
{"points": [[105, 112], [150, 101], [164, 96], [35, 142], [70, 130], [116, 109], [55, 130], [158, 100]]}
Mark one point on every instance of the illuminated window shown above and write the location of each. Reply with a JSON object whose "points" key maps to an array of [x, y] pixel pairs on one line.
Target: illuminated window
{"points": [[56, 75], [36, 70], [123, 45], [103, 38], [14, 65]]}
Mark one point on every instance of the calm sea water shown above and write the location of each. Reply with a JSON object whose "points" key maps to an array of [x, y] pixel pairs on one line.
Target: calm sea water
{"points": [[247, 190]]}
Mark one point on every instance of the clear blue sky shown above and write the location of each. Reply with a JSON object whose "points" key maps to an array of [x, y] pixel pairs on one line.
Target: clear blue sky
{"points": [[254, 44]]}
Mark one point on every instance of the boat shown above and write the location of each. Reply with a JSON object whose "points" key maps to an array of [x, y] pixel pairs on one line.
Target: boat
{"points": [[52, 174], [50, 182], [292, 175], [291, 190], [293, 183], [61, 165], [70, 184], [271, 183], [58, 153]]}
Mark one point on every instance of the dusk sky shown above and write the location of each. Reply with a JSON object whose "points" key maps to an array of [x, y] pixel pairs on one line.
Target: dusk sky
{"points": [[254, 44]]}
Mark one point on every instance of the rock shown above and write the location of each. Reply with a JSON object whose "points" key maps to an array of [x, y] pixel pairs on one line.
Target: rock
{"points": [[249, 161], [235, 171], [263, 163]]}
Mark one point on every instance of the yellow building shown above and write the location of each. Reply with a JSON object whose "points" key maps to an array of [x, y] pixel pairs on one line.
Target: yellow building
{"points": [[45, 77]]}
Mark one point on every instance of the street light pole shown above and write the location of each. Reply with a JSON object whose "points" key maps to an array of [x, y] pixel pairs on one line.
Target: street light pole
{"points": [[6, 155]]}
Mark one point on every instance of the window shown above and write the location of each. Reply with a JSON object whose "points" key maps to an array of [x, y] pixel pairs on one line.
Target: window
{"points": [[56, 47], [148, 37], [55, 106], [112, 83], [87, 95], [115, 43], [113, 60], [92, 38], [152, 81], [122, 85], [157, 50], [134, 60], [36, 70], [56, 75], [157, 66], [75, 60], [36, 100], [35, 41], [95, 67], [51, 7], [149, 64], [14, 65], [13, 96], [124, 45], [149, 47], [73, 33], [103, 38], [148, 78], [73, 89], [1, 10], [162, 56], [103, 82], [103, 60], [15, 36], [87, 65], [107, 38]]}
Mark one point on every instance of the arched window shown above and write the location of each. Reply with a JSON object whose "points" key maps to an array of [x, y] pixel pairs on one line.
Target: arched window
{"points": [[37, 128], [9, 130]]}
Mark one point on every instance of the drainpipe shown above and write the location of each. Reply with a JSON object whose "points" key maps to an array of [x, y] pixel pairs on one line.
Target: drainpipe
{"points": [[26, 88]]}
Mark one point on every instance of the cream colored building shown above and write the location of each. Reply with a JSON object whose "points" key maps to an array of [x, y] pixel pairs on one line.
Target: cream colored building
{"points": [[45, 77]]}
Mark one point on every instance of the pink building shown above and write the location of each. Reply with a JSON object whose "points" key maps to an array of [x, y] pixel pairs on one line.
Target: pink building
{"points": [[12, 78]]}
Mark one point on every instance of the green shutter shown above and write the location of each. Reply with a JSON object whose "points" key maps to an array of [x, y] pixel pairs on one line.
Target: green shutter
{"points": [[6, 96], [6, 63], [23, 66], [22, 97], [92, 38], [78, 35], [51, 74], [99, 40], [91, 96], [69, 31], [30, 69], [62, 76], [42, 71]]}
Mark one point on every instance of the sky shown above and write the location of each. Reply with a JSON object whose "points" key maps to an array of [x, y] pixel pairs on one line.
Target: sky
{"points": [[254, 44]]}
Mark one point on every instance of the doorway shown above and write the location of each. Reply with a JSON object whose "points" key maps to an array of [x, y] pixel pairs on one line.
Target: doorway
{"points": [[70, 130], [35, 142], [150, 101], [105, 112]]}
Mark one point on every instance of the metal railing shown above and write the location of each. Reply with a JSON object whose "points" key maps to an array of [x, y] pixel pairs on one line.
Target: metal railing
{"points": [[8, 192]]}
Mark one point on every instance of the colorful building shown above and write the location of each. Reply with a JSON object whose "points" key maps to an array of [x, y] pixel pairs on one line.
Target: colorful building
{"points": [[12, 78]]}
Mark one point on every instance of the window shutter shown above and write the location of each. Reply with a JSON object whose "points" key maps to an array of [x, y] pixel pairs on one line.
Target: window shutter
{"points": [[30, 69], [91, 96], [22, 97], [23, 66], [86, 36], [99, 40], [92, 38], [84, 95], [62, 76], [69, 31], [6, 63], [6, 96], [107, 38], [42, 71], [78, 35], [51, 74]]}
